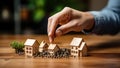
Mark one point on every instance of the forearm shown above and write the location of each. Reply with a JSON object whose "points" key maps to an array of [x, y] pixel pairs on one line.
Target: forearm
{"points": [[107, 21]]}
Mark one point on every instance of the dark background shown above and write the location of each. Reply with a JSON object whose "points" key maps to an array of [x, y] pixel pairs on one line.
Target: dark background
{"points": [[30, 16]]}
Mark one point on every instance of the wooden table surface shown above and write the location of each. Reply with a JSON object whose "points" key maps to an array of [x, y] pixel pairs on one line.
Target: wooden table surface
{"points": [[104, 52]]}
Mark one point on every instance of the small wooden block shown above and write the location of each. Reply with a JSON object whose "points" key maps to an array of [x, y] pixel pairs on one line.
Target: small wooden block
{"points": [[83, 49], [53, 48], [31, 47], [43, 46], [78, 47]]}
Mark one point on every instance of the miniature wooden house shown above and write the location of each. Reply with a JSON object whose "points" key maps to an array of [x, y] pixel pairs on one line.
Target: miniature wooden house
{"points": [[83, 49], [53, 48], [78, 47], [43, 46], [31, 47]]}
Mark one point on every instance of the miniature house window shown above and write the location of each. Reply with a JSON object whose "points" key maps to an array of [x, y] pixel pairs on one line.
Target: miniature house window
{"points": [[30, 48], [72, 47], [26, 48], [29, 51], [26, 51], [76, 48], [76, 52]]}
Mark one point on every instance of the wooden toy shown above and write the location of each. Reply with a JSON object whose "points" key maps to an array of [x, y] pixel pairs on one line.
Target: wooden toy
{"points": [[83, 49], [43, 46], [31, 47], [78, 47], [53, 48]]}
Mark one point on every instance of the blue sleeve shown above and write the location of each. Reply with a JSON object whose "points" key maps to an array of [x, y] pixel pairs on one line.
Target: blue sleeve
{"points": [[107, 21]]}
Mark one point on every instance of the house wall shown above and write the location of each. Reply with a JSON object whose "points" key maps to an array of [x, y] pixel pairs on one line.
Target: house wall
{"points": [[74, 50], [27, 51]]}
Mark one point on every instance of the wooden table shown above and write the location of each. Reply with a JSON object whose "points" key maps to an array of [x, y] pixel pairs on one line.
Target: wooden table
{"points": [[104, 52]]}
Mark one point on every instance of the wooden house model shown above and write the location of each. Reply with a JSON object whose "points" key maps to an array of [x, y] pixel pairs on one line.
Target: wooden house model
{"points": [[43, 46], [53, 48], [31, 47], [78, 47]]}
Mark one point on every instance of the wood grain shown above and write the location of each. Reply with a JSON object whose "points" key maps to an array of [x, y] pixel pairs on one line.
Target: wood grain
{"points": [[104, 52]]}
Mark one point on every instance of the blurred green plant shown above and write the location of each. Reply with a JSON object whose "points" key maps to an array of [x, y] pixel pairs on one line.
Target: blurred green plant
{"points": [[41, 8], [37, 8], [18, 46]]}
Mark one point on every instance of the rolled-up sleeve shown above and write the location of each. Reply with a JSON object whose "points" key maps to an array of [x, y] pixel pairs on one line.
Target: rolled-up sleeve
{"points": [[107, 21]]}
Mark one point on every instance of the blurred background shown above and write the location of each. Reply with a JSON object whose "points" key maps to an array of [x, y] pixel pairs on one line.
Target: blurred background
{"points": [[30, 16]]}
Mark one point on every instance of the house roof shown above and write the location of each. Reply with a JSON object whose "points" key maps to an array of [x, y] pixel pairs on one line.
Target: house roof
{"points": [[29, 42], [82, 46], [42, 44], [52, 46], [76, 41]]}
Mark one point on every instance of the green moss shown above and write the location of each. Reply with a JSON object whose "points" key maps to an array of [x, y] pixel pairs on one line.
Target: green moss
{"points": [[18, 46]]}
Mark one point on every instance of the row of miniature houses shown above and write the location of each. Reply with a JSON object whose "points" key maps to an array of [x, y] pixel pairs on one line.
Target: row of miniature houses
{"points": [[32, 46]]}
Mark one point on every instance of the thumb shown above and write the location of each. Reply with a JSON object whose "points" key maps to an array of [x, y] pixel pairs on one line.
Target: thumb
{"points": [[63, 29]]}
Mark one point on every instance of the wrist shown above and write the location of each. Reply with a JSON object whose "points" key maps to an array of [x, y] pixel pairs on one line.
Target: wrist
{"points": [[90, 23]]}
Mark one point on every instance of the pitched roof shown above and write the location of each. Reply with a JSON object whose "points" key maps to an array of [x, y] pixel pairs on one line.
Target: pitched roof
{"points": [[29, 42], [52, 46], [82, 45], [42, 44], [76, 41]]}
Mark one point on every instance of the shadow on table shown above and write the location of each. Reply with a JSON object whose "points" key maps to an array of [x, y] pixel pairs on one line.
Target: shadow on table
{"points": [[105, 45]]}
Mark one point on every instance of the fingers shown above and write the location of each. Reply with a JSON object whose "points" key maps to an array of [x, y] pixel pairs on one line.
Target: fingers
{"points": [[48, 27], [73, 25], [69, 19], [65, 28], [52, 24], [60, 18]]}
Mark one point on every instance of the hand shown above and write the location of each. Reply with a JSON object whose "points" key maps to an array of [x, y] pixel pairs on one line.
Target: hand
{"points": [[70, 20]]}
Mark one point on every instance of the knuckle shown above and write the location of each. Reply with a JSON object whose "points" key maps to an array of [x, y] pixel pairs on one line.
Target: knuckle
{"points": [[49, 18], [67, 8], [77, 27]]}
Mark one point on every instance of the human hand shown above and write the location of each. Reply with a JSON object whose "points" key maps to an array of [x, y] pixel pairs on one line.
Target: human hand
{"points": [[70, 20]]}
